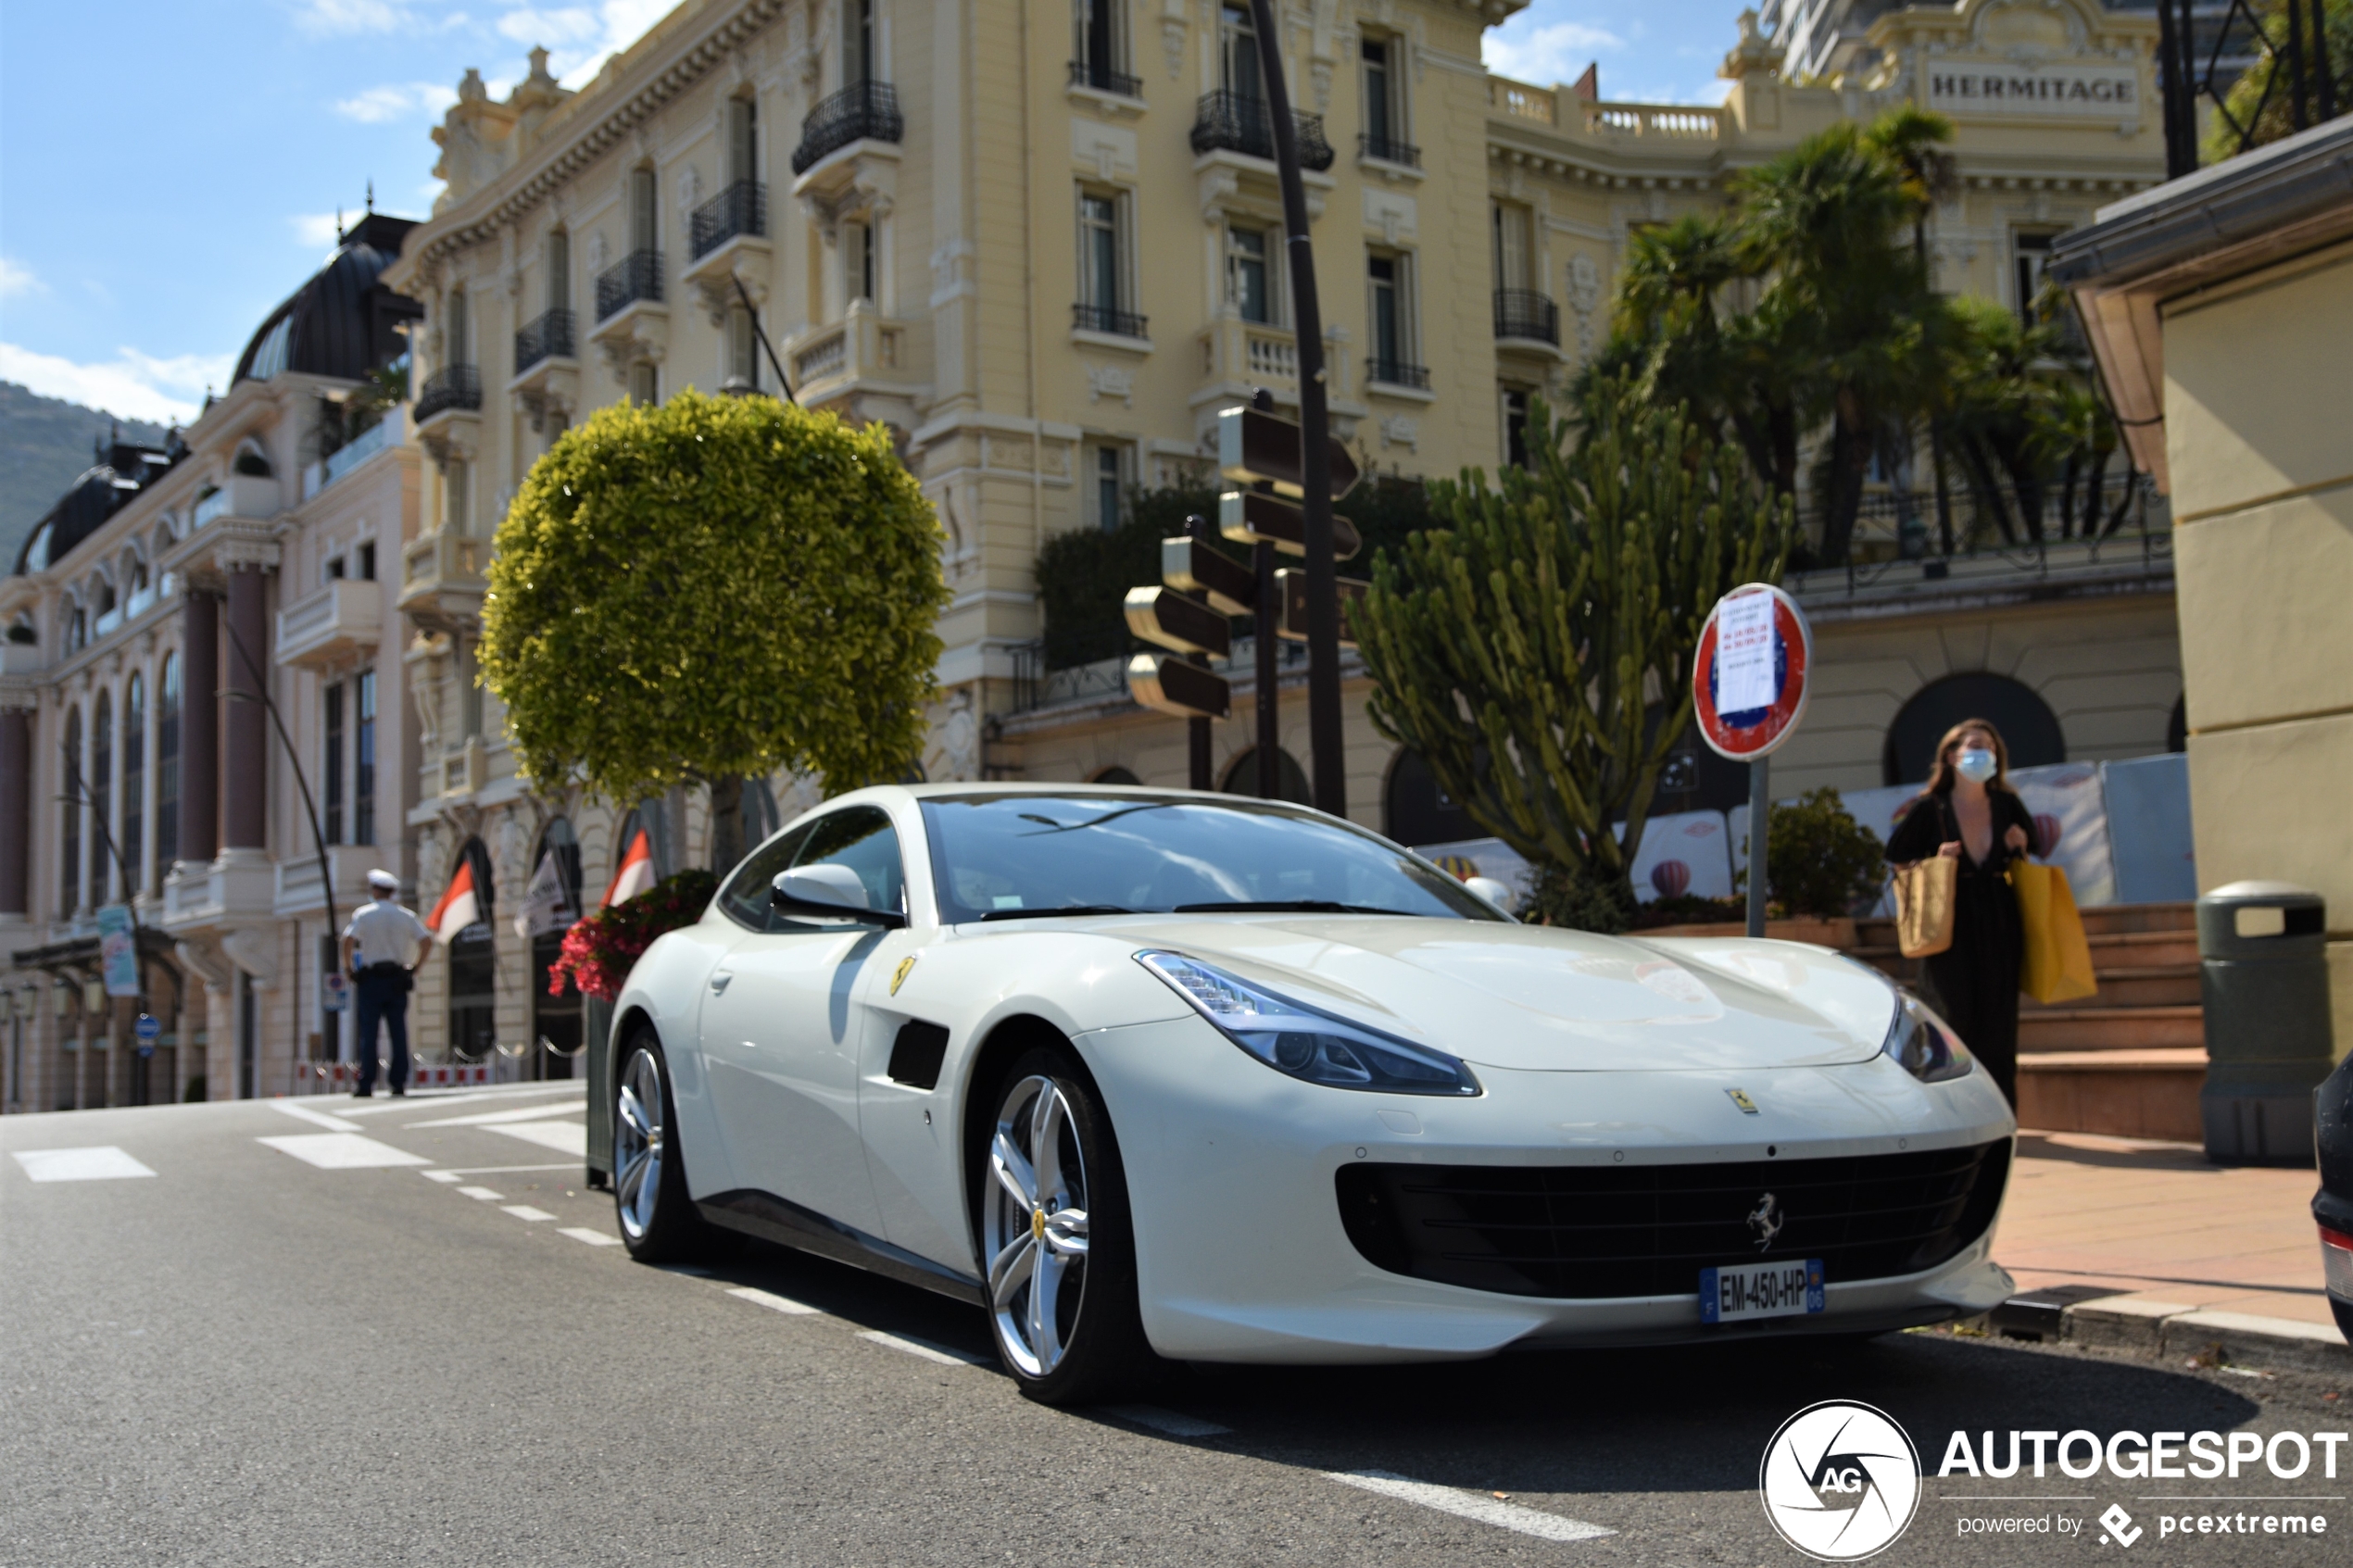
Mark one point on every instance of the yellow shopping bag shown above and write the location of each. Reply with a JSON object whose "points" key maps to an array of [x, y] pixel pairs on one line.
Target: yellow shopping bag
{"points": [[2058, 960]]}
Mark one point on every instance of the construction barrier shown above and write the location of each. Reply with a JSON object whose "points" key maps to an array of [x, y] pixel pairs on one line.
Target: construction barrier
{"points": [[320, 1077]]}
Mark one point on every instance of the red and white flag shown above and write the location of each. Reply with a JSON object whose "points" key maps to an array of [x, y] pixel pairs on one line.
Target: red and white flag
{"points": [[634, 875], [460, 906]]}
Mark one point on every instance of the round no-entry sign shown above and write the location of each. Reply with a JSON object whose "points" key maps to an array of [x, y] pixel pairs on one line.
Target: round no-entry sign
{"points": [[1749, 677]]}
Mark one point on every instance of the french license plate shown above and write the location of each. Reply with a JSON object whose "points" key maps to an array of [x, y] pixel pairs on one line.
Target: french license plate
{"points": [[1741, 1291]]}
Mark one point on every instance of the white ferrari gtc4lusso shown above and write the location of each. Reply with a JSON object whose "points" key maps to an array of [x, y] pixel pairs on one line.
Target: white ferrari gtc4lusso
{"points": [[1144, 1071]]}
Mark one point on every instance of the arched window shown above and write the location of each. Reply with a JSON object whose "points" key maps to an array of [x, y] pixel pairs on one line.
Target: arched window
{"points": [[251, 459], [2030, 730], [134, 783], [1417, 810], [557, 1027], [69, 816], [473, 966], [1290, 778], [101, 792], [168, 763], [1116, 776]]}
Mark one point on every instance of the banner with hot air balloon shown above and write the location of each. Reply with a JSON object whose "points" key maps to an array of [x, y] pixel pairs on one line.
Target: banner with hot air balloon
{"points": [[1684, 854]]}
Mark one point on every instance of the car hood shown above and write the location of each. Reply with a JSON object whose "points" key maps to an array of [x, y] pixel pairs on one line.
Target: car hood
{"points": [[1534, 999]]}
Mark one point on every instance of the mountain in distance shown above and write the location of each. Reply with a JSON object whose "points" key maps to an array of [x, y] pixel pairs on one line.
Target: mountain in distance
{"points": [[45, 443]]}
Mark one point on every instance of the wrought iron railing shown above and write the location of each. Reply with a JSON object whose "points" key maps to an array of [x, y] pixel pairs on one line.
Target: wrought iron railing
{"points": [[1524, 313], [861, 111], [1388, 149], [550, 337], [2301, 70], [635, 277], [1237, 122], [1397, 373], [452, 386], [1104, 318], [1103, 79], [741, 209]]}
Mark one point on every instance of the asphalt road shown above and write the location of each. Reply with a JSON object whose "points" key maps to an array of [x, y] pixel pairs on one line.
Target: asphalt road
{"points": [[251, 1359]]}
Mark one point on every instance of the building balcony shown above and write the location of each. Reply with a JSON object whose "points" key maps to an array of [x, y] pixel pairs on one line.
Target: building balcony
{"points": [[465, 767], [862, 351], [864, 111], [731, 248], [1525, 316], [549, 337], [547, 367], [1396, 375], [443, 581], [332, 625], [381, 436], [739, 212], [301, 888], [635, 279], [1109, 323], [1096, 78], [1388, 149], [251, 495], [238, 888], [453, 389], [1232, 122]]}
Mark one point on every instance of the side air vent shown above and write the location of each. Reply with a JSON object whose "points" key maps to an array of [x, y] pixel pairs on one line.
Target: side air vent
{"points": [[915, 1056]]}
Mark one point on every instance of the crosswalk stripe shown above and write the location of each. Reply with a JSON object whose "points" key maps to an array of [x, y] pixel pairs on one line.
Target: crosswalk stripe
{"points": [[774, 1303], [343, 1151], [1469, 1505], [525, 1211], [593, 1239]]}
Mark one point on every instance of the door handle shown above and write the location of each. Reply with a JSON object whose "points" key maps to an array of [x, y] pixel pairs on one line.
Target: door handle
{"points": [[719, 982]]}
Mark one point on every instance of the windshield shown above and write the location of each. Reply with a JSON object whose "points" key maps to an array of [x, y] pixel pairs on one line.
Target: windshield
{"points": [[1015, 856]]}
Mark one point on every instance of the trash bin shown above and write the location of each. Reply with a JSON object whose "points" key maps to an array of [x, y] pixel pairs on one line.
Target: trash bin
{"points": [[2263, 973]]}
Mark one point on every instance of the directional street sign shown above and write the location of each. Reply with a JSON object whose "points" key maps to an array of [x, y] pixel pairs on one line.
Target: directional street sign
{"points": [[1257, 448], [1230, 587], [1168, 618], [1169, 683], [1291, 588], [1252, 517]]}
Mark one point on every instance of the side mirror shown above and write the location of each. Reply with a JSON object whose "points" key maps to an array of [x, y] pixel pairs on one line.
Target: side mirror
{"points": [[832, 891], [1496, 893]]}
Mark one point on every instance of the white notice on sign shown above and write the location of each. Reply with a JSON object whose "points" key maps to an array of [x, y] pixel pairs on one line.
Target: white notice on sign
{"points": [[1745, 654]]}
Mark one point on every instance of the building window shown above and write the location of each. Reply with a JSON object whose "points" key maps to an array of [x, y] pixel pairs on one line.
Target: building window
{"points": [[858, 248], [1512, 250], [643, 212], [168, 763], [101, 792], [367, 560], [134, 783], [1248, 286], [454, 336], [645, 384], [1515, 429], [1107, 474], [473, 967], [1238, 54], [559, 271], [2030, 255], [860, 60], [1105, 295], [743, 357], [332, 772], [1099, 48], [468, 692], [1390, 309], [743, 142], [1385, 102], [70, 817], [363, 759], [456, 512]]}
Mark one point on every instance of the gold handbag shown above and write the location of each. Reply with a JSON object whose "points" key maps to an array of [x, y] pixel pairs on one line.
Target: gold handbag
{"points": [[1924, 893]]}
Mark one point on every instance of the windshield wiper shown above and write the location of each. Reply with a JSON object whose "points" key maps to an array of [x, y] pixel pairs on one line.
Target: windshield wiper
{"points": [[1284, 905], [1065, 910]]}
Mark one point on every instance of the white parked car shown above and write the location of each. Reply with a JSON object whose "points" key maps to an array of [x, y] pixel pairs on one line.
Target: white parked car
{"points": [[1148, 1070]]}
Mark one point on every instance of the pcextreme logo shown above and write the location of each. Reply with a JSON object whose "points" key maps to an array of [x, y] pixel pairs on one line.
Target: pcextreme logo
{"points": [[1840, 1480]]}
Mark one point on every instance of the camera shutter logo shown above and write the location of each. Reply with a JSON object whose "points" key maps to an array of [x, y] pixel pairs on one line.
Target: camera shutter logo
{"points": [[1840, 1481]]}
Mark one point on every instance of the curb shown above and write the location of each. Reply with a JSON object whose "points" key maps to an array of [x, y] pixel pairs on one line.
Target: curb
{"points": [[2095, 1316]]}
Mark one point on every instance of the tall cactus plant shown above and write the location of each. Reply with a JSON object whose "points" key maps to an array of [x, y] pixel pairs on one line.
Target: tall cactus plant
{"points": [[1549, 613]]}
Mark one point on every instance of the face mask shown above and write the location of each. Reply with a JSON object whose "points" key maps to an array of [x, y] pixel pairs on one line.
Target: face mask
{"points": [[1975, 764]]}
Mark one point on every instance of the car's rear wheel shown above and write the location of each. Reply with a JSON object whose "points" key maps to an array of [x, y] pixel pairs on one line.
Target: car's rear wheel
{"points": [[1058, 1238], [658, 1220]]}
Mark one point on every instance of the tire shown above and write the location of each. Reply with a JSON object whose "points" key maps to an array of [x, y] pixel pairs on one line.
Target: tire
{"points": [[658, 1223], [1083, 1338]]}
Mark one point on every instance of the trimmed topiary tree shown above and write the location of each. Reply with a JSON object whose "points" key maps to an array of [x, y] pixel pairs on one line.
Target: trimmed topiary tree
{"points": [[710, 588]]}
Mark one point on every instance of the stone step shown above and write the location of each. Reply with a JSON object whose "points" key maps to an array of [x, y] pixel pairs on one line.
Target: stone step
{"points": [[2135, 1094], [2075, 1027], [2134, 986], [2100, 920], [2126, 950]]}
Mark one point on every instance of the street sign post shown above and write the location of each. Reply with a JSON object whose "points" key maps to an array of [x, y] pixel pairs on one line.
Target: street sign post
{"points": [[1258, 446], [1199, 589], [147, 1030], [1291, 591], [1750, 678]]}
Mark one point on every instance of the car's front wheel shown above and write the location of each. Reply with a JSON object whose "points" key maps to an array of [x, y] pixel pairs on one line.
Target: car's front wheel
{"points": [[1058, 1237], [658, 1220]]}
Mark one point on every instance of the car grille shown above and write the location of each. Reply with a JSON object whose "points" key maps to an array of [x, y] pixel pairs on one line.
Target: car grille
{"points": [[1585, 1231]]}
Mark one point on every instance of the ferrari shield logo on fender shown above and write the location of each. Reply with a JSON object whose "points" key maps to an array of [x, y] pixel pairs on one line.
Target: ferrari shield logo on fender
{"points": [[1740, 1096], [899, 976]]}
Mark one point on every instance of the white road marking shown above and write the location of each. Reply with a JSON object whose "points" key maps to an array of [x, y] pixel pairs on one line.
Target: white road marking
{"points": [[316, 1118], [482, 1195], [438, 1099], [564, 1137], [508, 1169], [103, 1164], [525, 1211], [1469, 1505], [493, 1118], [784, 1304], [593, 1239], [1175, 1423], [343, 1151], [925, 1348], [441, 1176]]}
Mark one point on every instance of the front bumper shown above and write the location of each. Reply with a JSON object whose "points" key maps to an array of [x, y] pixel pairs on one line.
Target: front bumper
{"points": [[1242, 1257]]}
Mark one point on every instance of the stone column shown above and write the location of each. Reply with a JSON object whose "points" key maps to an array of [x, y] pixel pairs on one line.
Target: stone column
{"points": [[199, 728], [244, 817], [15, 808]]}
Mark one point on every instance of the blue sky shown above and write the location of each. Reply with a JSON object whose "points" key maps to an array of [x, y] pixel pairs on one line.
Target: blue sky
{"points": [[171, 171]]}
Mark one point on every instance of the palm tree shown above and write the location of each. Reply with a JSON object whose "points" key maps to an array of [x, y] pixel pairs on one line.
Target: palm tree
{"points": [[1913, 140]]}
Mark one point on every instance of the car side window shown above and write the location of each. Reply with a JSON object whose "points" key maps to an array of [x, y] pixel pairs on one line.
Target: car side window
{"points": [[745, 898], [861, 838]]}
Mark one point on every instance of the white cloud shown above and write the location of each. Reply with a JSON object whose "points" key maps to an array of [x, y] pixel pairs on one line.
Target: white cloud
{"points": [[136, 385], [397, 100], [1545, 55], [317, 229], [323, 19], [579, 39], [16, 279]]}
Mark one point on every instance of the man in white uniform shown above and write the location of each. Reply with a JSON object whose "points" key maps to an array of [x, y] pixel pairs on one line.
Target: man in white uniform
{"points": [[382, 948]]}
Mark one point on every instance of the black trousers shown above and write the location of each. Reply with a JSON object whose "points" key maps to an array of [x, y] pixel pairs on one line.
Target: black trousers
{"points": [[383, 993], [1976, 979]]}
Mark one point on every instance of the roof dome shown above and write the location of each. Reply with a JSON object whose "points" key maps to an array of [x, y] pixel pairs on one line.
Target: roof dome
{"points": [[341, 322], [123, 470]]}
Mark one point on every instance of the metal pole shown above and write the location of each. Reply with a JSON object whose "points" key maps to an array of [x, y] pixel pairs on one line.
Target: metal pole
{"points": [[1760, 800], [2326, 80], [1269, 653], [1323, 740], [1197, 729], [2296, 65]]}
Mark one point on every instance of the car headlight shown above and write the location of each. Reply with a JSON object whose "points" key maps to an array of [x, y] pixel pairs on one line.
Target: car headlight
{"points": [[1924, 1044], [1307, 1041]]}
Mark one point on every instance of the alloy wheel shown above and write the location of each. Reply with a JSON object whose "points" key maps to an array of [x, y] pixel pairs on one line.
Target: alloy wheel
{"points": [[1035, 1225], [638, 1144]]}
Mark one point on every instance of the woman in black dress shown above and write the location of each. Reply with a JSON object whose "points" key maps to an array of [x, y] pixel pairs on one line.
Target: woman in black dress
{"points": [[1970, 813]]}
